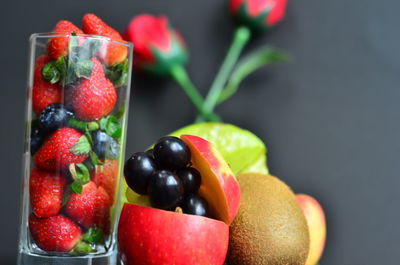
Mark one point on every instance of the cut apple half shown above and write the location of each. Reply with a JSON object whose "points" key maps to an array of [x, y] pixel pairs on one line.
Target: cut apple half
{"points": [[219, 186], [149, 236]]}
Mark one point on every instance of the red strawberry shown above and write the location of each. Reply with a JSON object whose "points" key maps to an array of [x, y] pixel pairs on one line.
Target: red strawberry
{"points": [[89, 208], [95, 97], [60, 149], [111, 52], [102, 212], [58, 46], [43, 93], [56, 233], [46, 191], [106, 176]]}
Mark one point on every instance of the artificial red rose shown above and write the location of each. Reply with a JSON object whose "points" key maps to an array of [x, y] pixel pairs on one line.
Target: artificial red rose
{"points": [[157, 46], [259, 14]]}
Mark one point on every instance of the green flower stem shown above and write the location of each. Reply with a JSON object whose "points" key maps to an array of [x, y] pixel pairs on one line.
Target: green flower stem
{"points": [[180, 75], [240, 39], [253, 62]]}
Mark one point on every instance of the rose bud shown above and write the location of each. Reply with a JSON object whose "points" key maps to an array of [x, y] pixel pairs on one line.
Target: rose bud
{"points": [[258, 14], [157, 46]]}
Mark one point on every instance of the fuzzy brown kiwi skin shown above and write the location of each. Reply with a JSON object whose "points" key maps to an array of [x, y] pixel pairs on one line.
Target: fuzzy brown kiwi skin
{"points": [[270, 228]]}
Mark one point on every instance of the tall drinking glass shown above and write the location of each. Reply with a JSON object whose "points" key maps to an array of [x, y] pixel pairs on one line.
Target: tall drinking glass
{"points": [[76, 120]]}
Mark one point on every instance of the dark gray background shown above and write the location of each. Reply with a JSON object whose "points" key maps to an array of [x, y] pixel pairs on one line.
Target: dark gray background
{"points": [[330, 118]]}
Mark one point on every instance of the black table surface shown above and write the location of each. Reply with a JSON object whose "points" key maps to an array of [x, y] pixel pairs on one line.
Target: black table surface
{"points": [[328, 117]]}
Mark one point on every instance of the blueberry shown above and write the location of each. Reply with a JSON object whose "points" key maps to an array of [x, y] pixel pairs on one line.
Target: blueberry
{"points": [[37, 138], [171, 153], [165, 190], [191, 179], [194, 204], [138, 170], [53, 117], [104, 145]]}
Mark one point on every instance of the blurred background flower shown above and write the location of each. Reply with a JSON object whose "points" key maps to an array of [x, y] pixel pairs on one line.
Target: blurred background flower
{"points": [[258, 14]]}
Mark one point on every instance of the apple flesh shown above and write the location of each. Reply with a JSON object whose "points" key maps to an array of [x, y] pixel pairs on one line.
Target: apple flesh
{"points": [[316, 225], [219, 186], [149, 236]]}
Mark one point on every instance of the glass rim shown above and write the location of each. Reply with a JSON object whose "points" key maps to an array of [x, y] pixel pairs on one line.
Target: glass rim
{"points": [[88, 36]]}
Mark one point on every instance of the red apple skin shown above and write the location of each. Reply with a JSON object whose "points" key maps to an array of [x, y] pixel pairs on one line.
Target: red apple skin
{"points": [[149, 236], [219, 185], [316, 225]]}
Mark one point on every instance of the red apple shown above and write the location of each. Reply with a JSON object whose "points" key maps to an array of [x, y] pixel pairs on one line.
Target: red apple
{"points": [[316, 225], [219, 186], [149, 236]]}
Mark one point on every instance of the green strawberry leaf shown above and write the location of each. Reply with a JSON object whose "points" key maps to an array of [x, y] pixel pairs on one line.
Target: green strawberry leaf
{"points": [[76, 187], [94, 159], [81, 147], [50, 73], [82, 125], [241, 149], [93, 235], [81, 175], [118, 74], [83, 248], [83, 69], [110, 125]]}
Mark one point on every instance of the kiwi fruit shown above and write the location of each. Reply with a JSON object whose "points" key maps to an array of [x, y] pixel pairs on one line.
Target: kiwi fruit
{"points": [[270, 228]]}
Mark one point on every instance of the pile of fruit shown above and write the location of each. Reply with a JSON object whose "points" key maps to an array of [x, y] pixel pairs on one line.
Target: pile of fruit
{"points": [[184, 205], [194, 197], [76, 136], [163, 174]]}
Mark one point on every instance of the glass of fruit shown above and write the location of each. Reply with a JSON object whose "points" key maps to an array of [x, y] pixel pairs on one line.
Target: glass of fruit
{"points": [[76, 119]]}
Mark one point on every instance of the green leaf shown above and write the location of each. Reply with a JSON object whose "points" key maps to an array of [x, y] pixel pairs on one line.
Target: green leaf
{"points": [[62, 66], [83, 248], [76, 187], [93, 235], [94, 159], [249, 65], [50, 73], [83, 69], [240, 148], [81, 147], [111, 126], [83, 174], [83, 126], [118, 74]]}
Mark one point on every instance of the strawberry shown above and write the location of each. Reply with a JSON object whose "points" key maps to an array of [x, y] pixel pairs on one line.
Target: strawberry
{"points": [[56, 233], [90, 208], [63, 147], [112, 52], [58, 46], [106, 176], [94, 97], [43, 93], [102, 212], [46, 191]]}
